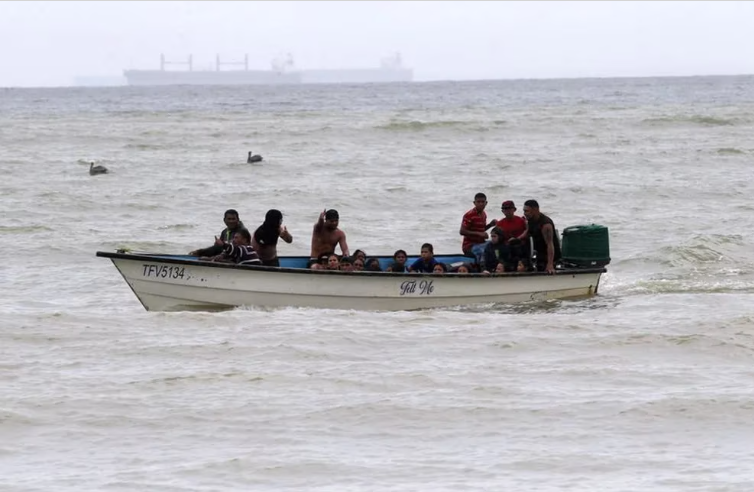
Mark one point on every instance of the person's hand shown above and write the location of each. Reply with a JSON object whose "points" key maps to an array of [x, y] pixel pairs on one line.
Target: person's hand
{"points": [[550, 269], [218, 241]]}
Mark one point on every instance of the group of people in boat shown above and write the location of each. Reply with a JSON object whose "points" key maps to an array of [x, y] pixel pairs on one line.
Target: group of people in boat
{"points": [[529, 242], [514, 244], [237, 245]]}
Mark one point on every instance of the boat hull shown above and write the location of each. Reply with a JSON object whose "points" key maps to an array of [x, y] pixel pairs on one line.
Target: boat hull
{"points": [[163, 283]]}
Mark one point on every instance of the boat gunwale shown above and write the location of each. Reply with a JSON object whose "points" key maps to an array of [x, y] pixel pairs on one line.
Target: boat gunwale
{"points": [[156, 258]]}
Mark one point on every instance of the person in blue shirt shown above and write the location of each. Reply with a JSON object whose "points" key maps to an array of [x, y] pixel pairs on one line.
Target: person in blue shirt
{"points": [[427, 262]]}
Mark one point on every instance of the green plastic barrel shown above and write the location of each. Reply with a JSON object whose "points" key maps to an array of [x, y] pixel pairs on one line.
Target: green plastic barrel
{"points": [[586, 246]]}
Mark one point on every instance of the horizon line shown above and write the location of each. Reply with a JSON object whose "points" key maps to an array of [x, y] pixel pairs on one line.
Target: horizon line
{"points": [[507, 79]]}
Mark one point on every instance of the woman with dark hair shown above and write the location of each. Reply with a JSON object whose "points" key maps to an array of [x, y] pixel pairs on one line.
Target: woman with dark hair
{"points": [[266, 236], [359, 253], [399, 262], [499, 252]]}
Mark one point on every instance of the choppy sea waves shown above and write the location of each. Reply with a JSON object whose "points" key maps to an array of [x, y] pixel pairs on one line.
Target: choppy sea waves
{"points": [[645, 386]]}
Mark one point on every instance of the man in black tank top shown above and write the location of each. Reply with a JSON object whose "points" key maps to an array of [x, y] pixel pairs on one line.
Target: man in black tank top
{"points": [[542, 231]]}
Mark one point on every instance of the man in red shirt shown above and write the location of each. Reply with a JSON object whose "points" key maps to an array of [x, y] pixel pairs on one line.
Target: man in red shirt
{"points": [[474, 228], [512, 225], [515, 232]]}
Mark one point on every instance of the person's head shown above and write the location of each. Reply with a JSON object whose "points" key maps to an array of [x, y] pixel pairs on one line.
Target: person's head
{"points": [[463, 269], [273, 218], [496, 235], [427, 252], [332, 218], [499, 268], [346, 265], [373, 265], [324, 259], [508, 208], [400, 257], [531, 209], [439, 268], [359, 254], [242, 237], [521, 267], [480, 201], [333, 262], [231, 219], [316, 266], [358, 264]]}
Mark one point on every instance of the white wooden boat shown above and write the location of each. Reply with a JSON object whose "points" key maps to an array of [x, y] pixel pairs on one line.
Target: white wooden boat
{"points": [[181, 283]]}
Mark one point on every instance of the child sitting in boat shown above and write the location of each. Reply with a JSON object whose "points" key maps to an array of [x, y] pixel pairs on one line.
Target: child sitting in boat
{"points": [[238, 251], [345, 264], [359, 254], [427, 262], [333, 262], [399, 262], [498, 252]]}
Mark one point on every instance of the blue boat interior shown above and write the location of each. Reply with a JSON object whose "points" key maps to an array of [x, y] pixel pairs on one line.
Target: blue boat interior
{"points": [[301, 261]]}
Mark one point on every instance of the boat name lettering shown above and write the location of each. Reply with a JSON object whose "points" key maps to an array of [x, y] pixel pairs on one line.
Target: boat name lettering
{"points": [[422, 288], [163, 271]]}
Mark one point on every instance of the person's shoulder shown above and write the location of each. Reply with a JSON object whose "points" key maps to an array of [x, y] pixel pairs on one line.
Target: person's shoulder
{"points": [[470, 214]]}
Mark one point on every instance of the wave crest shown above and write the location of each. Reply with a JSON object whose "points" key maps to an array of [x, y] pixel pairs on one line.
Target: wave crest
{"points": [[693, 120]]}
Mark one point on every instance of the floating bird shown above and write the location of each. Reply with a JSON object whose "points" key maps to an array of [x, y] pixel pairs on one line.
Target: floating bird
{"points": [[253, 158], [97, 169]]}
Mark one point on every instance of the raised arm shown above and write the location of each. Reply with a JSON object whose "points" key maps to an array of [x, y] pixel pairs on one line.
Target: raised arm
{"points": [[315, 241], [320, 223], [285, 235]]}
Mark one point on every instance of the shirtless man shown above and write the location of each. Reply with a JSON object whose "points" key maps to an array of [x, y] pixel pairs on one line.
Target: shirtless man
{"points": [[326, 235]]}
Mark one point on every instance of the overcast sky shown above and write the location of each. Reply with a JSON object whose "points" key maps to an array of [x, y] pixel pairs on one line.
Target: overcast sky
{"points": [[50, 43]]}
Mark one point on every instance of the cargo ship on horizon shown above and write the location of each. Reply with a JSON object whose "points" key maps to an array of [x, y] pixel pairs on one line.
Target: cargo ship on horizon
{"points": [[282, 72]]}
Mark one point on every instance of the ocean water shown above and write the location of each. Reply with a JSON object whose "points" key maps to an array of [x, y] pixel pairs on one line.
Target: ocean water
{"points": [[647, 386]]}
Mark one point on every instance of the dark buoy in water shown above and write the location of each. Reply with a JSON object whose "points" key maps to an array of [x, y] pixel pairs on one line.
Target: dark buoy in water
{"points": [[253, 158], [93, 170]]}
